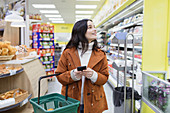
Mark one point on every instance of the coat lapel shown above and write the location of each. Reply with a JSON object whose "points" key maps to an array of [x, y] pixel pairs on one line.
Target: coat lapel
{"points": [[75, 57], [96, 57]]}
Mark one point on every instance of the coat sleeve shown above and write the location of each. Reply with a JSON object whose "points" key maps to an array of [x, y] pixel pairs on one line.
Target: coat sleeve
{"points": [[65, 77], [104, 72]]}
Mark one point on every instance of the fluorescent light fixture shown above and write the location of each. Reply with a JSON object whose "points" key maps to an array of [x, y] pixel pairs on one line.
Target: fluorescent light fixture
{"points": [[49, 11], [55, 18], [86, 6], [57, 22], [17, 24], [43, 5], [87, 0], [84, 12], [83, 16], [52, 15], [14, 17]]}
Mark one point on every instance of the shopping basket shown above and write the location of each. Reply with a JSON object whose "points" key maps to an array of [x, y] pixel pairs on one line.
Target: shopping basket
{"points": [[55, 102]]}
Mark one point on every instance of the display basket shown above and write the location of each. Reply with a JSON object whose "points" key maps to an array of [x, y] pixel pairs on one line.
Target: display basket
{"points": [[54, 103], [4, 58]]}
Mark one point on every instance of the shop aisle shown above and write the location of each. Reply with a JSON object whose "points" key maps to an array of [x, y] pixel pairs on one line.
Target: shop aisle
{"points": [[55, 87]]}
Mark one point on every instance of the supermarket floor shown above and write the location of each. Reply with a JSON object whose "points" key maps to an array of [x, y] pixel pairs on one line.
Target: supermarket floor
{"points": [[55, 87]]}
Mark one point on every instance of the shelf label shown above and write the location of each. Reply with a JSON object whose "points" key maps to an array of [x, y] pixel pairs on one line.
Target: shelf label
{"points": [[24, 102], [12, 72]]}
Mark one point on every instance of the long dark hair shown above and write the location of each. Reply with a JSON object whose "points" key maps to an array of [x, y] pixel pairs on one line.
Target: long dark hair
{"points": [[78, 35]]}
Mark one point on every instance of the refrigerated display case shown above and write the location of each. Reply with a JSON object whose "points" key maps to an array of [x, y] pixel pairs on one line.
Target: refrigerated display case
{"points": [[156, 93]]}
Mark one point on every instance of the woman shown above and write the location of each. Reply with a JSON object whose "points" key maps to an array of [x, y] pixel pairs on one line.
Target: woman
{"points": [[87, 85]]}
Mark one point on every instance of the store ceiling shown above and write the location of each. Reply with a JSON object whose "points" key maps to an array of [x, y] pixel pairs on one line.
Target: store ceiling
{"points": [[66, 8]]}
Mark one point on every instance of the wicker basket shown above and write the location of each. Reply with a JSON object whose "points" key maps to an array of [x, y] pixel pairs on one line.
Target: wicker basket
{"points": [[3, 58]]}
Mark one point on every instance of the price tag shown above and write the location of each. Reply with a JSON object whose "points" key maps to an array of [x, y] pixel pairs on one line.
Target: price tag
{"points": [[12, 72], [24, 102]]}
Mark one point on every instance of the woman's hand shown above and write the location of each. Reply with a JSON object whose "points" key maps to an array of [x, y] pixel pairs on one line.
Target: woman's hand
{"points": [[88, 73], [78, 74]]}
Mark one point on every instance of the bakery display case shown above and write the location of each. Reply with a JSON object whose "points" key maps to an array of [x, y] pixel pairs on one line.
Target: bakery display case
{"points": [[20, 77], [156, 93]]}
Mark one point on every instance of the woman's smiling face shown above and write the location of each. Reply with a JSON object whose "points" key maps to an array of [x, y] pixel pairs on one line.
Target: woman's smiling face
{"points": [[91, 33]]}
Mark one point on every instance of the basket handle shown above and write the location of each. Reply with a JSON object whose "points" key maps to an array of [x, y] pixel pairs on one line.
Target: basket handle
{"points": [[42, 77]]}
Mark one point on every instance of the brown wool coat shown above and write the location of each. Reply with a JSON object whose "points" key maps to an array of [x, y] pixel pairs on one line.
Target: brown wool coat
{"points": [[94, 95]]}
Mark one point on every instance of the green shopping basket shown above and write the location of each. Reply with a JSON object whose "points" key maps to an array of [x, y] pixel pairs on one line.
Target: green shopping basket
{"points": [[57, 102]]}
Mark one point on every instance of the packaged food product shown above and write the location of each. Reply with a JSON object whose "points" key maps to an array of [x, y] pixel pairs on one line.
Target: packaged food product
{"points": [[47, 35], [52, 50], [50, 43], [41, 43], [48, 66], [41, 59], [41, 35], [48, 50], [43, 51], [45, 58], [51, 35], [51, 65], [45, 44], [50, 58], [44, 35]]}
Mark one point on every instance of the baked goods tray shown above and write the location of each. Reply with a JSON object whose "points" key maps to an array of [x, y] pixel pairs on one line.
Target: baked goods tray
{"points": [[17, 104], [4, 58], [12, 73]]}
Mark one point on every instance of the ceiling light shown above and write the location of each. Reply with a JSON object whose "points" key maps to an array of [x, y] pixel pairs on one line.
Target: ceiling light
{"points": [[14, 17], [57, 22], [17, 24], [43, 5], [52, 15], [55, 18], [84, 12], [49, 11], [86, 6], [83, 16], [88, 0]]}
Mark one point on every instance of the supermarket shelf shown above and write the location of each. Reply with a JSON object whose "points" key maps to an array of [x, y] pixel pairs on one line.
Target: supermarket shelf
{"points": [[130, 7], [48, 62], [52, 69], [136, 59], [44, 47], [17, 105], [46, 39], [47, 54], [19, 61], [128, 46], [127, 26], [11, 73]]}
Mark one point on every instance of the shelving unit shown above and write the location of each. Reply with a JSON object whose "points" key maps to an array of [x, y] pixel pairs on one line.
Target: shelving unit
{"points": [[11, 73], [43, 41], [20, 104]]}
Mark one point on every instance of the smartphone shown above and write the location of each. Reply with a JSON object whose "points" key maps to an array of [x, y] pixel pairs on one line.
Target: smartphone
{"points": [[81, 68]]}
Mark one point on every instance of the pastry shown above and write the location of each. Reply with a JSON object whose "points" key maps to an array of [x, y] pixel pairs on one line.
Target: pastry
{"points": [[7, 42], [0, 51], [4, 51], [1, 43]]}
